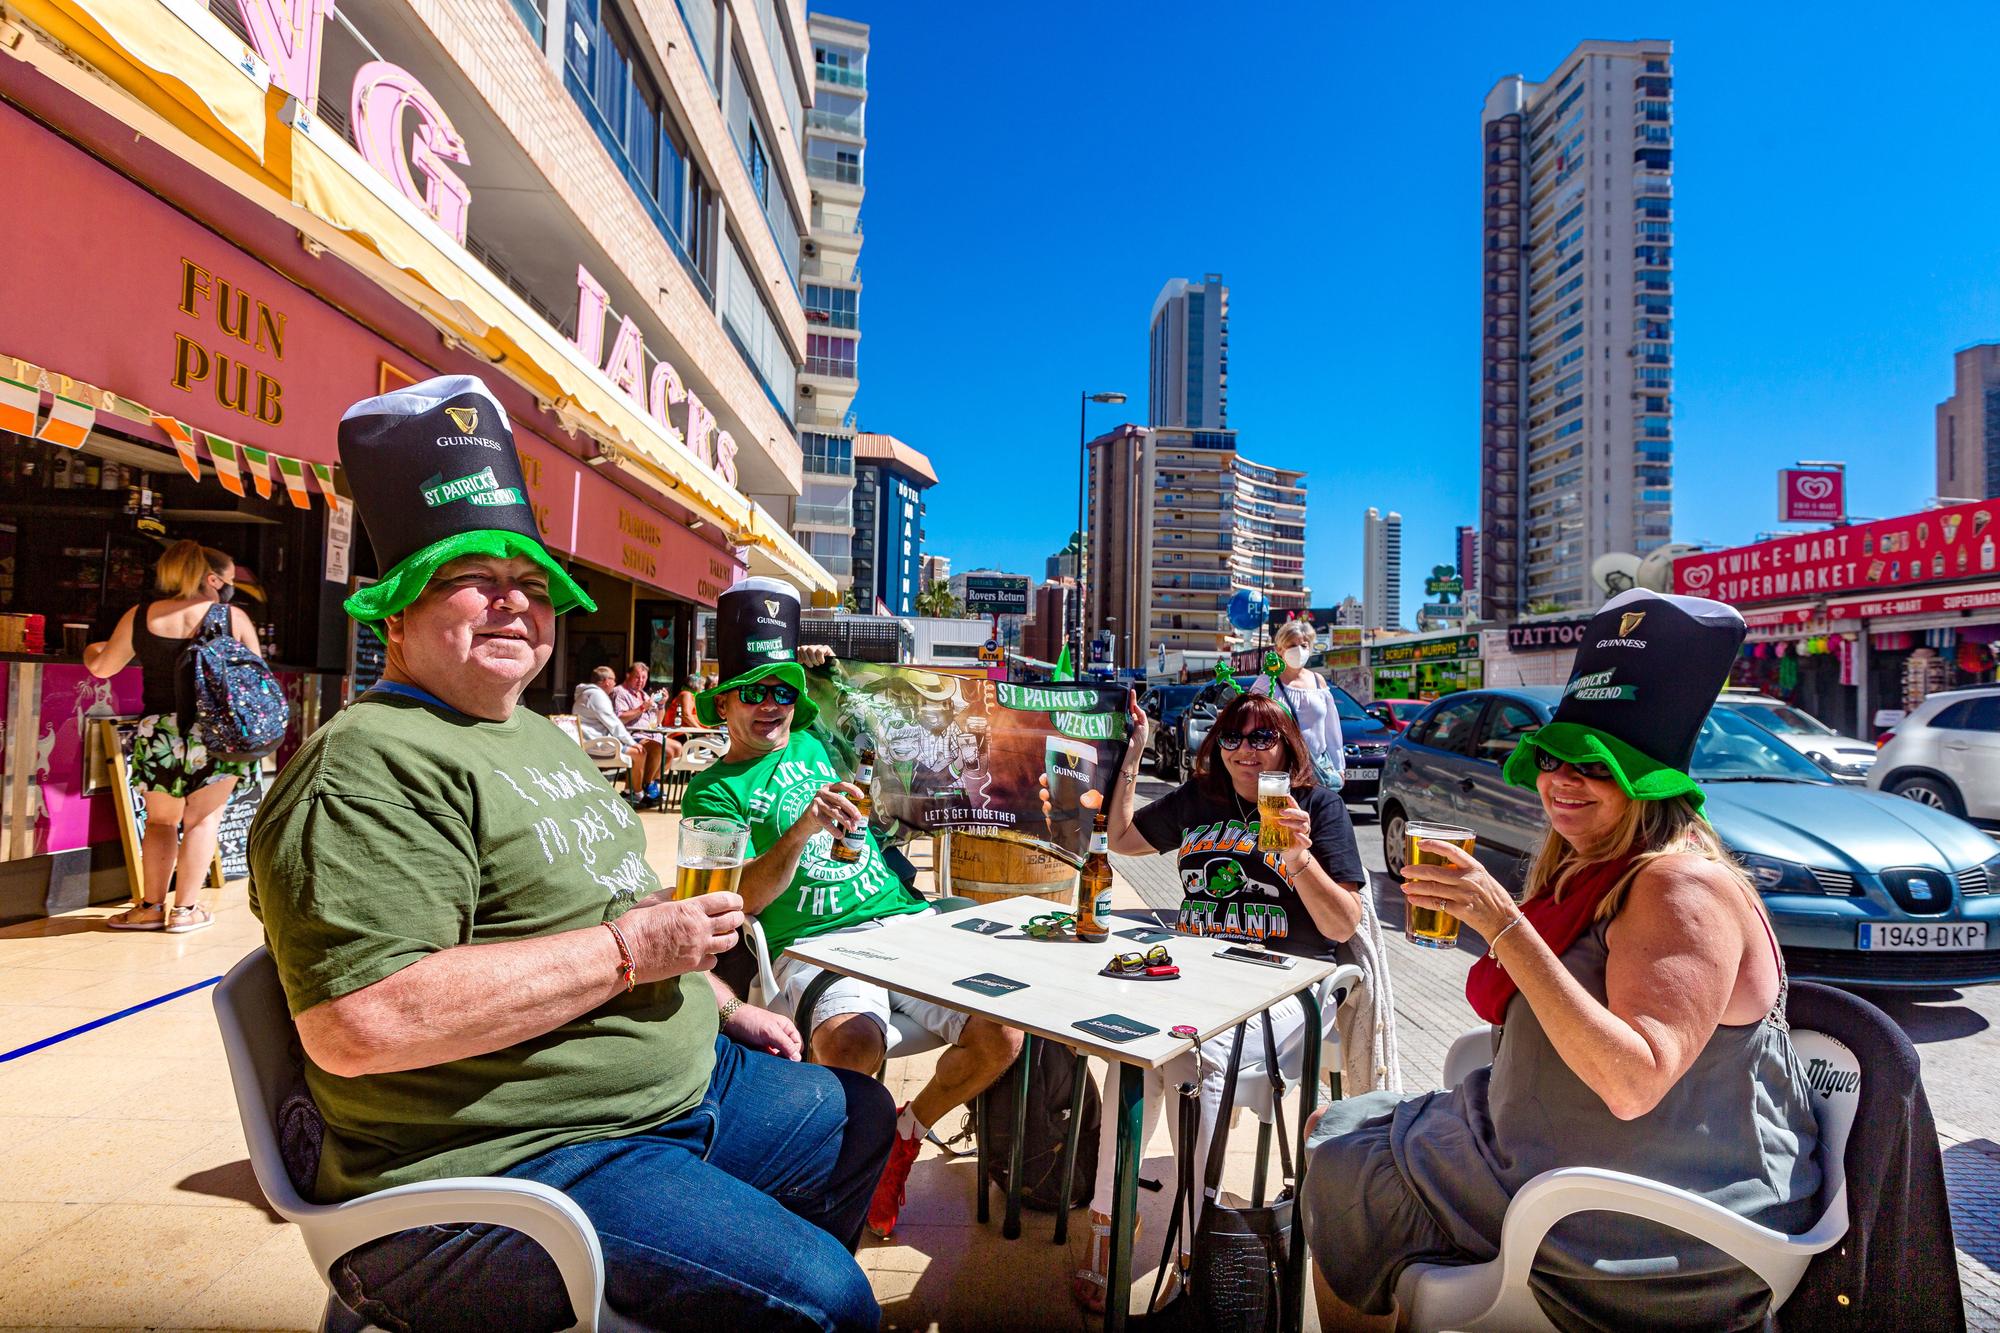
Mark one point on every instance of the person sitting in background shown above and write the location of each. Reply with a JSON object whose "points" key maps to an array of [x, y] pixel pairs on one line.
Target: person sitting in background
{"points": [[597, 719], [185, 789], [1642, 998], [1302, 900], [637, 708]]}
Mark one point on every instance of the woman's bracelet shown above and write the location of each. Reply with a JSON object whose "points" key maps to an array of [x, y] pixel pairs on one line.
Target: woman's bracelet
{"points": [[1519, 917]]}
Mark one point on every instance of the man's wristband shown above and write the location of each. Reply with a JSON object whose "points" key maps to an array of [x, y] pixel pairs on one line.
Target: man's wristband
{"points": [[727, 1012], [626, 968]]}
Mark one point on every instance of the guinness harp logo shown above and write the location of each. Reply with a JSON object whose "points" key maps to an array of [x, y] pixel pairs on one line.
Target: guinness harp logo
{"points": [[465, 418], [1629, 622], [770, 607]]}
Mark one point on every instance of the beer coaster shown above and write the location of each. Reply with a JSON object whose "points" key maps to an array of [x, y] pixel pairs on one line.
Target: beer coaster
{"points": [[1144, 934], [991, 983], [980, 925], [1115, 1028]]}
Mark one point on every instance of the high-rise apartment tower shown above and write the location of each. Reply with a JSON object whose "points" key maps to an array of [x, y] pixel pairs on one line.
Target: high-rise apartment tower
{"points": [[1968, 426], [1188, 381], [1576, 438], [1382, 570]]}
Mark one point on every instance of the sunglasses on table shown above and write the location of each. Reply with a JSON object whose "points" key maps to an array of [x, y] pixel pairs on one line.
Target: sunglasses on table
{"points": [[782, 695], [1263, 738], [1157, 956], [1595, 770]]}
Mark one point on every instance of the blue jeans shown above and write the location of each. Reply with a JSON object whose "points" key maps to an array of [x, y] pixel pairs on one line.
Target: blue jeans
{"points": [[743, 1213]]}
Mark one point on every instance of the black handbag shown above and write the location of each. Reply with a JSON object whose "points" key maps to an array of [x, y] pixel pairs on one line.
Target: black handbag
{"points": [[1234, 1280]]}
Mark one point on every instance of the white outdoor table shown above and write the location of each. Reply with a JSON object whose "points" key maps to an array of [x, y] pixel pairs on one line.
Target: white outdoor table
{"points": [[924, 955]]}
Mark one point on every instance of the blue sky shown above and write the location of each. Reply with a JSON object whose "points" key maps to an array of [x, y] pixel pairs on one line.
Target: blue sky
{"points": [[1037, 171]]}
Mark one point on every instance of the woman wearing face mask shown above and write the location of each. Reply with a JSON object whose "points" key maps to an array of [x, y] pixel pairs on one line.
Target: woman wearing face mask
{"points": [[1308, 698], [185, 789]]}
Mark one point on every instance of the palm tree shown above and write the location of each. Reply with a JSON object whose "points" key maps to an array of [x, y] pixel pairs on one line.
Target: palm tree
{"points": [[936, 600]]}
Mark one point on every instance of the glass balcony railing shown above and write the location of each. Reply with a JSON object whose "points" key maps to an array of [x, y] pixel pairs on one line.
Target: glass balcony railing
{"points": [[840, 76], [834, 121], [842, 565], [846, 173], [830, 367], [830, 270], [828, 516]]}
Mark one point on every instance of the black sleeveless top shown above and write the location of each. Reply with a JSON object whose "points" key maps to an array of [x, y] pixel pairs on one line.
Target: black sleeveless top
{"points": [[159, 664]]}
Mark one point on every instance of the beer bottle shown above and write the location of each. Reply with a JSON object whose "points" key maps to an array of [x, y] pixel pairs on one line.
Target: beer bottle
{"points": [[850, 845], [1093, 895]]}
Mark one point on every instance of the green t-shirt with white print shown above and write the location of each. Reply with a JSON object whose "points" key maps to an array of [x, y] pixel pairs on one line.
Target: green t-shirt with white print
{"points": [[401, 829]]}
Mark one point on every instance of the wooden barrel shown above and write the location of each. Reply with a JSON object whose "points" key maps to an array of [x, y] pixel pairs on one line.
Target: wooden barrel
{"points": [[991, 869]]}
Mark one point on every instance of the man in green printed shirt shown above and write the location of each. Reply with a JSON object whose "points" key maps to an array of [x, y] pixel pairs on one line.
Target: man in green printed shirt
{"points": [[778, 779], [484, 972]]}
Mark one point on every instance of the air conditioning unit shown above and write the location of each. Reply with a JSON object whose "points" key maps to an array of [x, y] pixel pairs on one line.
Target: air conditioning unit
{"points": [[805, 391], [810, 249]]}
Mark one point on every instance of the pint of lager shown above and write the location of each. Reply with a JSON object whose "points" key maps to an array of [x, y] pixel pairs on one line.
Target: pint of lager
{"points": [[710, 858], [1274, 797], [1428, 926]]}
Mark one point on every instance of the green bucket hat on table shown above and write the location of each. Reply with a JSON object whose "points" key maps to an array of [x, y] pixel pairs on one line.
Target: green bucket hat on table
{"points": [[1650, 668]]}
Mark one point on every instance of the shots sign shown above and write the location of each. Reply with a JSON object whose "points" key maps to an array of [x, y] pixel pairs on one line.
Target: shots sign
{"points": [[1812, 495]]}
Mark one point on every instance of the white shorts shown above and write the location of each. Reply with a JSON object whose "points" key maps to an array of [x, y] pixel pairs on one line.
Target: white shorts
{"points": [[848, 996]]}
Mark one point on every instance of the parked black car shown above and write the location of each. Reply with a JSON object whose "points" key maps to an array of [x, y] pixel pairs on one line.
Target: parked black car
{"points": [[1366, 741]]}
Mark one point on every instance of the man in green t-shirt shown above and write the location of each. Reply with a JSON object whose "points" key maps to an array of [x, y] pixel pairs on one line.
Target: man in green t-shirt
{"points": [[779, 780], [486, 976]]}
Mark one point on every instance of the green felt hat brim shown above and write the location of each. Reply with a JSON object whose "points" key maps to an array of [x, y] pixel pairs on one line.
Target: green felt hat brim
{"points": [[791, 673], [1639, 775], [406, 582]]}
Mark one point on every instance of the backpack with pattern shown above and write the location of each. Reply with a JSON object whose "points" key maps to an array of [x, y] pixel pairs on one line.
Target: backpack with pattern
{"points": [[230, 693]]}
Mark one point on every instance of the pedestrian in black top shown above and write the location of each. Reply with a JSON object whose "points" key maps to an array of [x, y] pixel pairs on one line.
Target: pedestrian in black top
{"points": [[185, 789], [1303, 900]]}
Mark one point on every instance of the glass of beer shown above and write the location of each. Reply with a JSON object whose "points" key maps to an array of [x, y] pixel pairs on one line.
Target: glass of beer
{"points": [[710, 859], [1274, 797], [1429, 926]]}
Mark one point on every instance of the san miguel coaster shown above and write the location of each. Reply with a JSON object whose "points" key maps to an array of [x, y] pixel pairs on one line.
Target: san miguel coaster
{"points": [[1115, 1028], [1144, 934], [991, 983], [980, 925]]}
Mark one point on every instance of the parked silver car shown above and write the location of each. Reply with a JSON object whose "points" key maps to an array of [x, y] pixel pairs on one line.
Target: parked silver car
{"points": [[1946, 755], [1862, 890], [1845, 758]]}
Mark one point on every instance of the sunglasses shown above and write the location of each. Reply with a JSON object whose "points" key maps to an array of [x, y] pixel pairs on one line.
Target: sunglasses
{"points": [[1594, 770], [782, 695], [1263, 738], [1126, 963]]}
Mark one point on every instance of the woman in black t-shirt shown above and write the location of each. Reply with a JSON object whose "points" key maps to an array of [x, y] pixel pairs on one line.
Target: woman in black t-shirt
{"points": [[1302, 900]]}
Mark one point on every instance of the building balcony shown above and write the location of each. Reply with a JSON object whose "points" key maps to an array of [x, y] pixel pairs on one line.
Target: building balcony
{"points": [[823, 516], [828, 368], [830, 268], [837, 76], [842, 565], [835, 123], [842, 173]]}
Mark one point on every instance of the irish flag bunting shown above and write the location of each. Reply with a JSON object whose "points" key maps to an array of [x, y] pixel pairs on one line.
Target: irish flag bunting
{"points": [[323, 473], [69, 423], [223, 452], [294, 473], [183, 440], [20, 404], [258, 464]]}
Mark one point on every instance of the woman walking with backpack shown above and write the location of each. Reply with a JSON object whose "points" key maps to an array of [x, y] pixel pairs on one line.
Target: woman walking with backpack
{"points": [[185, 789]]}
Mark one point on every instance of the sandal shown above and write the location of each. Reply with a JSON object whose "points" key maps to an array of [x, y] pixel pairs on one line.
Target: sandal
{"points": [[130, 918], [182, 920], [1087, 1284]]}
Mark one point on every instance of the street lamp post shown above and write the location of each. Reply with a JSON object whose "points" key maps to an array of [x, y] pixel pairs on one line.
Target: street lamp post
{"points": [[1084, 401]]}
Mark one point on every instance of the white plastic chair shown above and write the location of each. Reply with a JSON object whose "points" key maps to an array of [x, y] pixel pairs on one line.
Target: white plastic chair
{"points": [[908, 1038], [256, 1036], [697, 753], [613, 762], [1495, 1296]]}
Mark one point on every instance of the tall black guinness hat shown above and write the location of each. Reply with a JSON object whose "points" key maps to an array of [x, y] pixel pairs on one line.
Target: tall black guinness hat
{"points": [[757, 635], [436, 478], [1650, 668]]}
